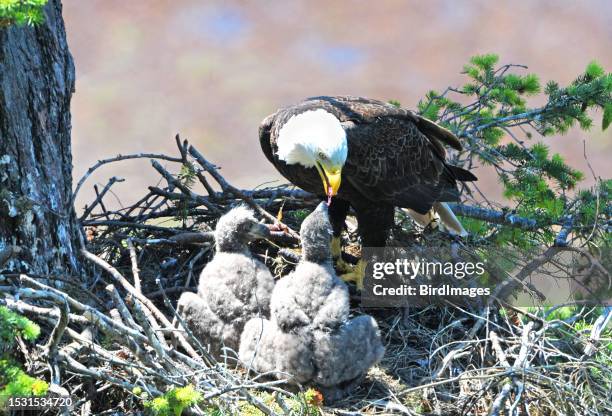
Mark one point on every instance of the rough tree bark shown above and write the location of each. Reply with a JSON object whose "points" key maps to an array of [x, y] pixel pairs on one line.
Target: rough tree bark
{"points": [[36, 83]]}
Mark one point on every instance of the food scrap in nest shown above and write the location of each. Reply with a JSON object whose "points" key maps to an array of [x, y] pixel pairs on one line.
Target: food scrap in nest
{"points": [[91, 233], [278, 222]]}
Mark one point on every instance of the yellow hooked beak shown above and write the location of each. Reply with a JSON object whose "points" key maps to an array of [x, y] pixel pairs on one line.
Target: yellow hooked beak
{"points": [[331, 179]]}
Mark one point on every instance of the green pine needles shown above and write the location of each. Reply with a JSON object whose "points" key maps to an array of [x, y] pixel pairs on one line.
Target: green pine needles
{"points": [[13, 380], [498, 126], [177, 399], [11, 325], [173, 402], [21, 12]]}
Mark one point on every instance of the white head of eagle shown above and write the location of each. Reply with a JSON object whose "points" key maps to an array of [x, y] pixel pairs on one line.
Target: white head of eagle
{"points": [[315, 139]]}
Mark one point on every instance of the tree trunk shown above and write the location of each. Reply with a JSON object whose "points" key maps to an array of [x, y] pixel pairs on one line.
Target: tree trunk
{"points": [[37, 221]]}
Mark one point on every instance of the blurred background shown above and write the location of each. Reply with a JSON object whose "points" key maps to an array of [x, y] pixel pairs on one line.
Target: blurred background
{"points": [[211, 71]]}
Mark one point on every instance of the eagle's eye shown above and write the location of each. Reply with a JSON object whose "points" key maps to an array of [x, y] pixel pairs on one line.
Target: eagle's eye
{"points": [[243, 227], [322, 156]]}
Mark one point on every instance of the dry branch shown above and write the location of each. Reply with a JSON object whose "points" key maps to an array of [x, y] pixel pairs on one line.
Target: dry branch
{"points": [[448, 358], [138, 295]]}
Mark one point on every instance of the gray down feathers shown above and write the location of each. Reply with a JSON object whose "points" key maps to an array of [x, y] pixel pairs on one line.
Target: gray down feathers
{"points": [[265, 348], [233, 288], [309, 335]]}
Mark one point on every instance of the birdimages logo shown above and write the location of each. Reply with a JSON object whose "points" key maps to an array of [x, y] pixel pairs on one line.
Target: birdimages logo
{"points": [[426, 281], [419, 276], [402, 276]]}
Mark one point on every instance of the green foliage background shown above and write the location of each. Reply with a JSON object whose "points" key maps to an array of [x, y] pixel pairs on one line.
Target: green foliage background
{"points": [[540, 185], [13, 380], [21, 12]]}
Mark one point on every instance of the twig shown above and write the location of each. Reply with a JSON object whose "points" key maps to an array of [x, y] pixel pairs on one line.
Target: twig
{"points": [[128, 224], [501, 355], [53, 343], [135, 270], [101, 195], [116, 159], [58, 330], [146, 325], [561, 239], [92, 315], [457, 351], [496, 217], [226, 187], [121, 307], [508, 286], [186, 191], [600, 324], [23, 307], [128, 286], [519, 365]]}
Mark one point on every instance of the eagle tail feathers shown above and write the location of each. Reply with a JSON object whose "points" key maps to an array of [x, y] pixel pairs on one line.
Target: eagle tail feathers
{"points": [[462, 175], [448, 220]]}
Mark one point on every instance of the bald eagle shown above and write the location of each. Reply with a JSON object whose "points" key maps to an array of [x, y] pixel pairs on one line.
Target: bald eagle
{"points": [[368, 155]]}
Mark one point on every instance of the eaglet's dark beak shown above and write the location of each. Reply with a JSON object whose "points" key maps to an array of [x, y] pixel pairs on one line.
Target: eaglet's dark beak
{"points": [[259, 231]]}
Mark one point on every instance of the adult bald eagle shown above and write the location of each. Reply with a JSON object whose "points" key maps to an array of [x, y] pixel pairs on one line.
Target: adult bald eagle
{"points": [[367, 154]]}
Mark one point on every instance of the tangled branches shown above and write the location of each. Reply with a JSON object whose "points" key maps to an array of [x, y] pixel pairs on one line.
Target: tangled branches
{"points": [[116, 341]]}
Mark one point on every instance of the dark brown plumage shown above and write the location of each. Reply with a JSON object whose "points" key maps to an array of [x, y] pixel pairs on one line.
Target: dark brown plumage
{"points": [[395, 158]]}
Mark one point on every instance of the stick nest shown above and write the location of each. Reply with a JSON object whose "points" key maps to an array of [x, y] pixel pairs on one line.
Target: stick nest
{"points": [[114, 345]]}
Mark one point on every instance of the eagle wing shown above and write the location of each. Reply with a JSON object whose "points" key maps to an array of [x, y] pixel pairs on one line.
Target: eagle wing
{"points": [[391, 160], [395, 155], [366, 110]]}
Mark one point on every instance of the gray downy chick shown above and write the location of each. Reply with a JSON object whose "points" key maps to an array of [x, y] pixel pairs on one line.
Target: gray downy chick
{"points": [[344, 356], [310, 308], [313, 295], [267, 349], [233, 287]]}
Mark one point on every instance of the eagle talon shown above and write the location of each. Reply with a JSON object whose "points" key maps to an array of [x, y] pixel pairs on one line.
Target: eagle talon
{"points": [[336, 247], [342, 266], [356, 275]]}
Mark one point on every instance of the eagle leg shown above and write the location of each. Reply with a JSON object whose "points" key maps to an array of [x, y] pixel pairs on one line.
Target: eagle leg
{"points": [[439, 217], [336, 252], [336, 247], [338, 211], [357, 274]]}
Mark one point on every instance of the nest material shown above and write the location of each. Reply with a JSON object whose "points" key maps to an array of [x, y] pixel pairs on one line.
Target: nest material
{"points": [[111, 331]]}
